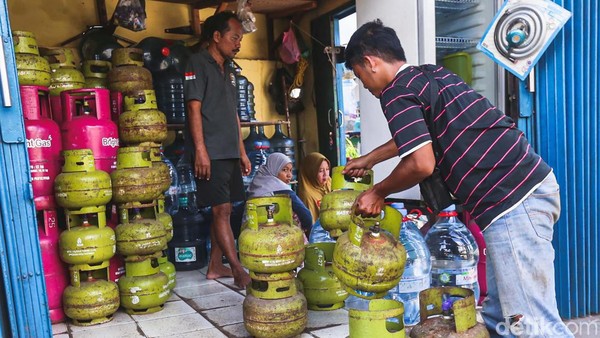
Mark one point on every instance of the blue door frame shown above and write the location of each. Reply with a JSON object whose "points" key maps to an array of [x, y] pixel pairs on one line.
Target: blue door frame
{"points": [[25, 307], [567, 136]]}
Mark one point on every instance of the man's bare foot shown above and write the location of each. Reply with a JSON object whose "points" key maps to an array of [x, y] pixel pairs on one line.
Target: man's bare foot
{"points": [[216, 271], [241, 278]]}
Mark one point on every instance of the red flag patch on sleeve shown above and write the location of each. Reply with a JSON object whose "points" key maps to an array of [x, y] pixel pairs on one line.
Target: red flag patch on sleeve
{"points": [[190, 75]]}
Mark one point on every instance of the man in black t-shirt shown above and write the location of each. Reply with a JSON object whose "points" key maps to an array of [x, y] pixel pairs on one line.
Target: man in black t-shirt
{"points": [[484, 160], [213, 139]]}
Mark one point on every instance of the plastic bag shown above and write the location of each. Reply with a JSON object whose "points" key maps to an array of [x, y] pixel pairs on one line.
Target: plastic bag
{"points": [[289, 52], [246, 16], [131, 14]]}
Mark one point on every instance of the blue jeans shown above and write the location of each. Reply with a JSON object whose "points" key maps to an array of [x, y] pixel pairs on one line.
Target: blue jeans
{"points": [[521, 300]]}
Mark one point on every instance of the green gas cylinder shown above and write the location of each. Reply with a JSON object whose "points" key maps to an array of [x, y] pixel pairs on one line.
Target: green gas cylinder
{"points": [[87, 244], [127, 74], [135, 179], [80, 184], [32, 69], [92, 301], [142, 121], [370, 258], [321, 287], [384, 318], [141, 236], [275, 318], [270, 242], [336, 206], [144, 294], [448, 312]]}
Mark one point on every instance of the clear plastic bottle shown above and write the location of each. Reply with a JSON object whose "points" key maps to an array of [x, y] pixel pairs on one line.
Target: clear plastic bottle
{"points": [[172, 194], [358, 303], [417, 271], [264, 139], [187, 186], [454, 252], [257, 157]]}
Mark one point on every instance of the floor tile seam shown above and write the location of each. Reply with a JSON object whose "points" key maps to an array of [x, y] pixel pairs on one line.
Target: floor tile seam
{"points": [[214, 324], [98, 327], [200, 296]]}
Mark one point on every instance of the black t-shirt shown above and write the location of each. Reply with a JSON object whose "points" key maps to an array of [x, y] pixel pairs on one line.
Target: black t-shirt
{"points": [[486, 161], [205, 82]]}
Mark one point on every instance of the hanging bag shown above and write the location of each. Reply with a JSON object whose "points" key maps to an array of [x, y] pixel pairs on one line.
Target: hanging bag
{"points": [[131, 14], [435, 193]]}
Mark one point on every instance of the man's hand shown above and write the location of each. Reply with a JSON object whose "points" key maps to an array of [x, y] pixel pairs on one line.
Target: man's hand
{"points": [[357, 167], [202, 165], [245, 164], [369, 204]]}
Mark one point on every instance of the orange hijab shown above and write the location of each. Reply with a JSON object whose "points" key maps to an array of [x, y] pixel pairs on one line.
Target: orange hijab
{"points": [[309, 189]]}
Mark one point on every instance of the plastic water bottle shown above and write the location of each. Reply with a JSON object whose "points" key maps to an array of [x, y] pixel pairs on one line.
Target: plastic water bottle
{"points": [[187, 186], [172, 194], [318, 234], [358, 303], [417, 271], [454, 252], [257, 157]]}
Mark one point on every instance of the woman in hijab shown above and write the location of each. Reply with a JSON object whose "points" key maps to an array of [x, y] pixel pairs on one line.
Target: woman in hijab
{"points": [[273, 178], [314, 182]]}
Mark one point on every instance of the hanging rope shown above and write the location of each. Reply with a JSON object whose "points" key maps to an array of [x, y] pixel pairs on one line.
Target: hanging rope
{"points": [[320, 43], [307, 34], [299, 77]]}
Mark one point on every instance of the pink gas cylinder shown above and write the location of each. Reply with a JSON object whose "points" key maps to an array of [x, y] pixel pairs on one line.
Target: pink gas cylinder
{"points": [[116, 266], [55, 271], [43, 144], [87, 125], [56, 107], [481, 265]]}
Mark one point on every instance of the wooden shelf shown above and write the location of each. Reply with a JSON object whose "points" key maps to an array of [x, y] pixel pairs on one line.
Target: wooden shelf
{"points": [[243, 124], [262, 123], [272, 8]]}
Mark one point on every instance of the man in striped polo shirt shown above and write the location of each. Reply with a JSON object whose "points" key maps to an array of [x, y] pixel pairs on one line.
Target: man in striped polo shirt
{"points": [[484, 160]]}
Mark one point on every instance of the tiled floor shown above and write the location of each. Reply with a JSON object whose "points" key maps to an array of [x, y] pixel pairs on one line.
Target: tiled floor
{"points": [[198, 308], [211, 309]]}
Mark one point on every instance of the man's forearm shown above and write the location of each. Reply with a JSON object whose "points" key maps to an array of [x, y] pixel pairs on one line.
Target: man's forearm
{"points": [[383, 152], [410, 171]]}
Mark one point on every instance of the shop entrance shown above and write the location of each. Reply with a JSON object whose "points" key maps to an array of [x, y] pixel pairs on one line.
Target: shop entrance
{"points": [[336, 88]]}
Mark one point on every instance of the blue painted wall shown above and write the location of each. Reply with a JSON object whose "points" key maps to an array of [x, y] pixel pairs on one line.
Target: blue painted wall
{"points": [[567, 136]]}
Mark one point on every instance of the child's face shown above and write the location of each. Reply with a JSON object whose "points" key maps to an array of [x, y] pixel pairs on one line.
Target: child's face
{"points": [[323, 174], [285, 174]]}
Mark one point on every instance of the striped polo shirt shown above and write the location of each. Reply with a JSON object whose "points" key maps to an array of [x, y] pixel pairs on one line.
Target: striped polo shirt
{"points": [[484, 159]]}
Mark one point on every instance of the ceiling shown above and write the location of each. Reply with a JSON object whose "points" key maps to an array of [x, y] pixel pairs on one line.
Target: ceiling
{"points": [[272, 8]]}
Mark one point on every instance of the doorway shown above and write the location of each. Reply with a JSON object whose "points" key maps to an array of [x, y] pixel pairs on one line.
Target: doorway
{"points": [[337, 105]]}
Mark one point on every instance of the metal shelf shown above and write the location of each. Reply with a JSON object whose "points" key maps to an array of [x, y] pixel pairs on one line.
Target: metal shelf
{"points": [[448, 44], [446, 7]]}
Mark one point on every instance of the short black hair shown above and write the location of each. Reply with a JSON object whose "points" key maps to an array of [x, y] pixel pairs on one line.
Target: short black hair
{"points": [[375, 39], [217, 23]]}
